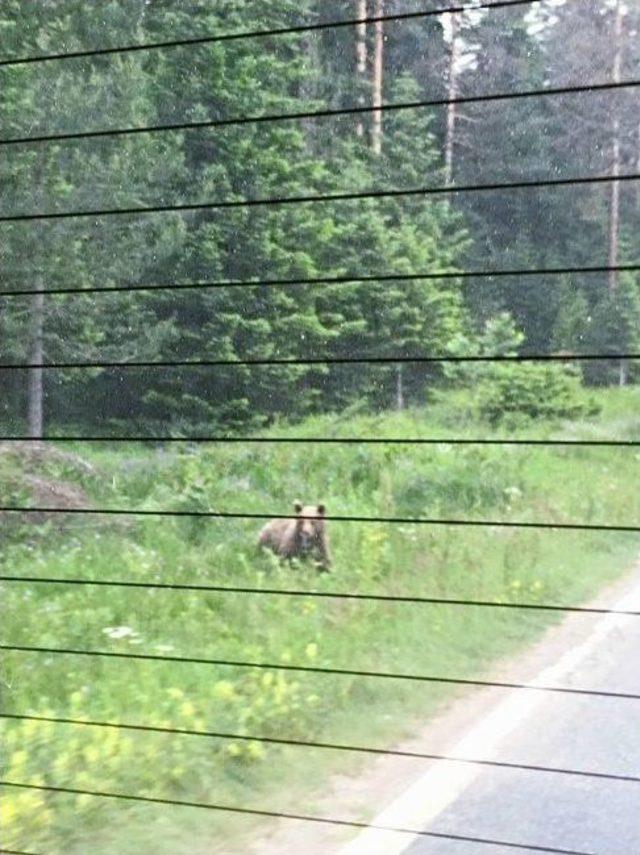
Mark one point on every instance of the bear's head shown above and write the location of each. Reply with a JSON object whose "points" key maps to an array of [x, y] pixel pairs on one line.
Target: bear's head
{"points": [[309, 524]]}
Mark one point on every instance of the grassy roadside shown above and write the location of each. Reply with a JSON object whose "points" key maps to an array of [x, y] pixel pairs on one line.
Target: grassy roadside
{"points": [[529, 483]]}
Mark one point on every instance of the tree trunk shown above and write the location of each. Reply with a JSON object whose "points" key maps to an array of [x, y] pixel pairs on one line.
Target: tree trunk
{"points": [[35, 390], [614, 211], [614, 202], [306, 88], [361, 58], [637, 166], [378, 63], [623, 373], [452, 92], [399, 387]]}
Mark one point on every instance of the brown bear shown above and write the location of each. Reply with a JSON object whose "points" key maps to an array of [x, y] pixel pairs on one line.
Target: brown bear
{"points": [[301, 537]]}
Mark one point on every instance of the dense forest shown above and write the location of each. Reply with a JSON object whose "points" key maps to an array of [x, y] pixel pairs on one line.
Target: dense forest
{"points": [[438, 239]]}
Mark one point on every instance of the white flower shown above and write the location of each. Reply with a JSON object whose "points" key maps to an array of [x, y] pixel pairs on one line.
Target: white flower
{"points": [[118, 632]]}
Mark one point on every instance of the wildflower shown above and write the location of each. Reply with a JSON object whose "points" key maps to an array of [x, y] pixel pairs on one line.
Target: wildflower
{"points": [[255, 751], [513, 493], [225, 690], [118, 632], [176, 694], [18, 761], [311, 650]]}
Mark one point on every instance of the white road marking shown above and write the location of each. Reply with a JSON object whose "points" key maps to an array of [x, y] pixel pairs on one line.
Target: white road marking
{"points": [[444, 782]]}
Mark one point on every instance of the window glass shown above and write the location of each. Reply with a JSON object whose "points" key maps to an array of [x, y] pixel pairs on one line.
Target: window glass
{"points": [[319, 353]]}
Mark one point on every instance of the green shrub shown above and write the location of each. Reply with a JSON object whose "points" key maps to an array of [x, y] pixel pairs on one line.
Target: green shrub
{"points": [[513, 392]]}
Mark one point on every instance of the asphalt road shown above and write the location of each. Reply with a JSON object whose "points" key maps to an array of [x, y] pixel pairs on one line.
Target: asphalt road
{"points": [[564, 811]]}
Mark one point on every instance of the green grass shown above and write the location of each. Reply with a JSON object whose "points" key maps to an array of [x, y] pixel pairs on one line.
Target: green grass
{"points": [[528, 484]]}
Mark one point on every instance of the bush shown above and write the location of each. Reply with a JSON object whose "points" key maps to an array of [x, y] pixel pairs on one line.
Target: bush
{"points": [[513, 392]]}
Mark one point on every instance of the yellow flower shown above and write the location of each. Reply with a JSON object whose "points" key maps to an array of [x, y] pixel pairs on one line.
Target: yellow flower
{"points": [[187, 709], [18, 761], [111, 741], [176, 694], [225, 690], [9, 812], [92, 753], [30, 728], [255, 750], [312, 650]]}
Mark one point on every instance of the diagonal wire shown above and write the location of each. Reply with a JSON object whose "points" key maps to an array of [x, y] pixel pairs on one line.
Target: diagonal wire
{"points": [[332, 746], [329, 440], [4, 851], [257, 34], [349, 823], [271, 201], [137, 512], [331, 280], [334, 112], [314, 594], [316, 669], [321, 360]]}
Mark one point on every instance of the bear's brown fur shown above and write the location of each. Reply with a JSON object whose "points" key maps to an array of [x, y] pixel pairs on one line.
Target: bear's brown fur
{"points": [[301, 537]]}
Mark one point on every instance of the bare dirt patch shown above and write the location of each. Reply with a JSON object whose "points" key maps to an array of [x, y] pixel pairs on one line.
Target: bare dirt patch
{"points": [[57, 495]]}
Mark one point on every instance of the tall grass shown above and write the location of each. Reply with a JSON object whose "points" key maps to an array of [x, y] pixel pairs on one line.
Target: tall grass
{"points": [[529, 484]]}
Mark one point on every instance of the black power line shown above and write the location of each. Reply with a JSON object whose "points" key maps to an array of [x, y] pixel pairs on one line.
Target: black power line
{"points": [[331, 280], [258, 34], [349, 823], [314, 594], [333, 746], [271, 201], [321, 360], [328, 440], [316, 669], [137, 512], [336, 112], [17, 852]]}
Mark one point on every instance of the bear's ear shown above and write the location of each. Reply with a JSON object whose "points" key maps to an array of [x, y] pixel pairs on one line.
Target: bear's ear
{"points": [[297, 506], [321, 510]]}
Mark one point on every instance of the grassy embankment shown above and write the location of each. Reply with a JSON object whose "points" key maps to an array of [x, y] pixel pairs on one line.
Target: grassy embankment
{"points": [[531, 484]]}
